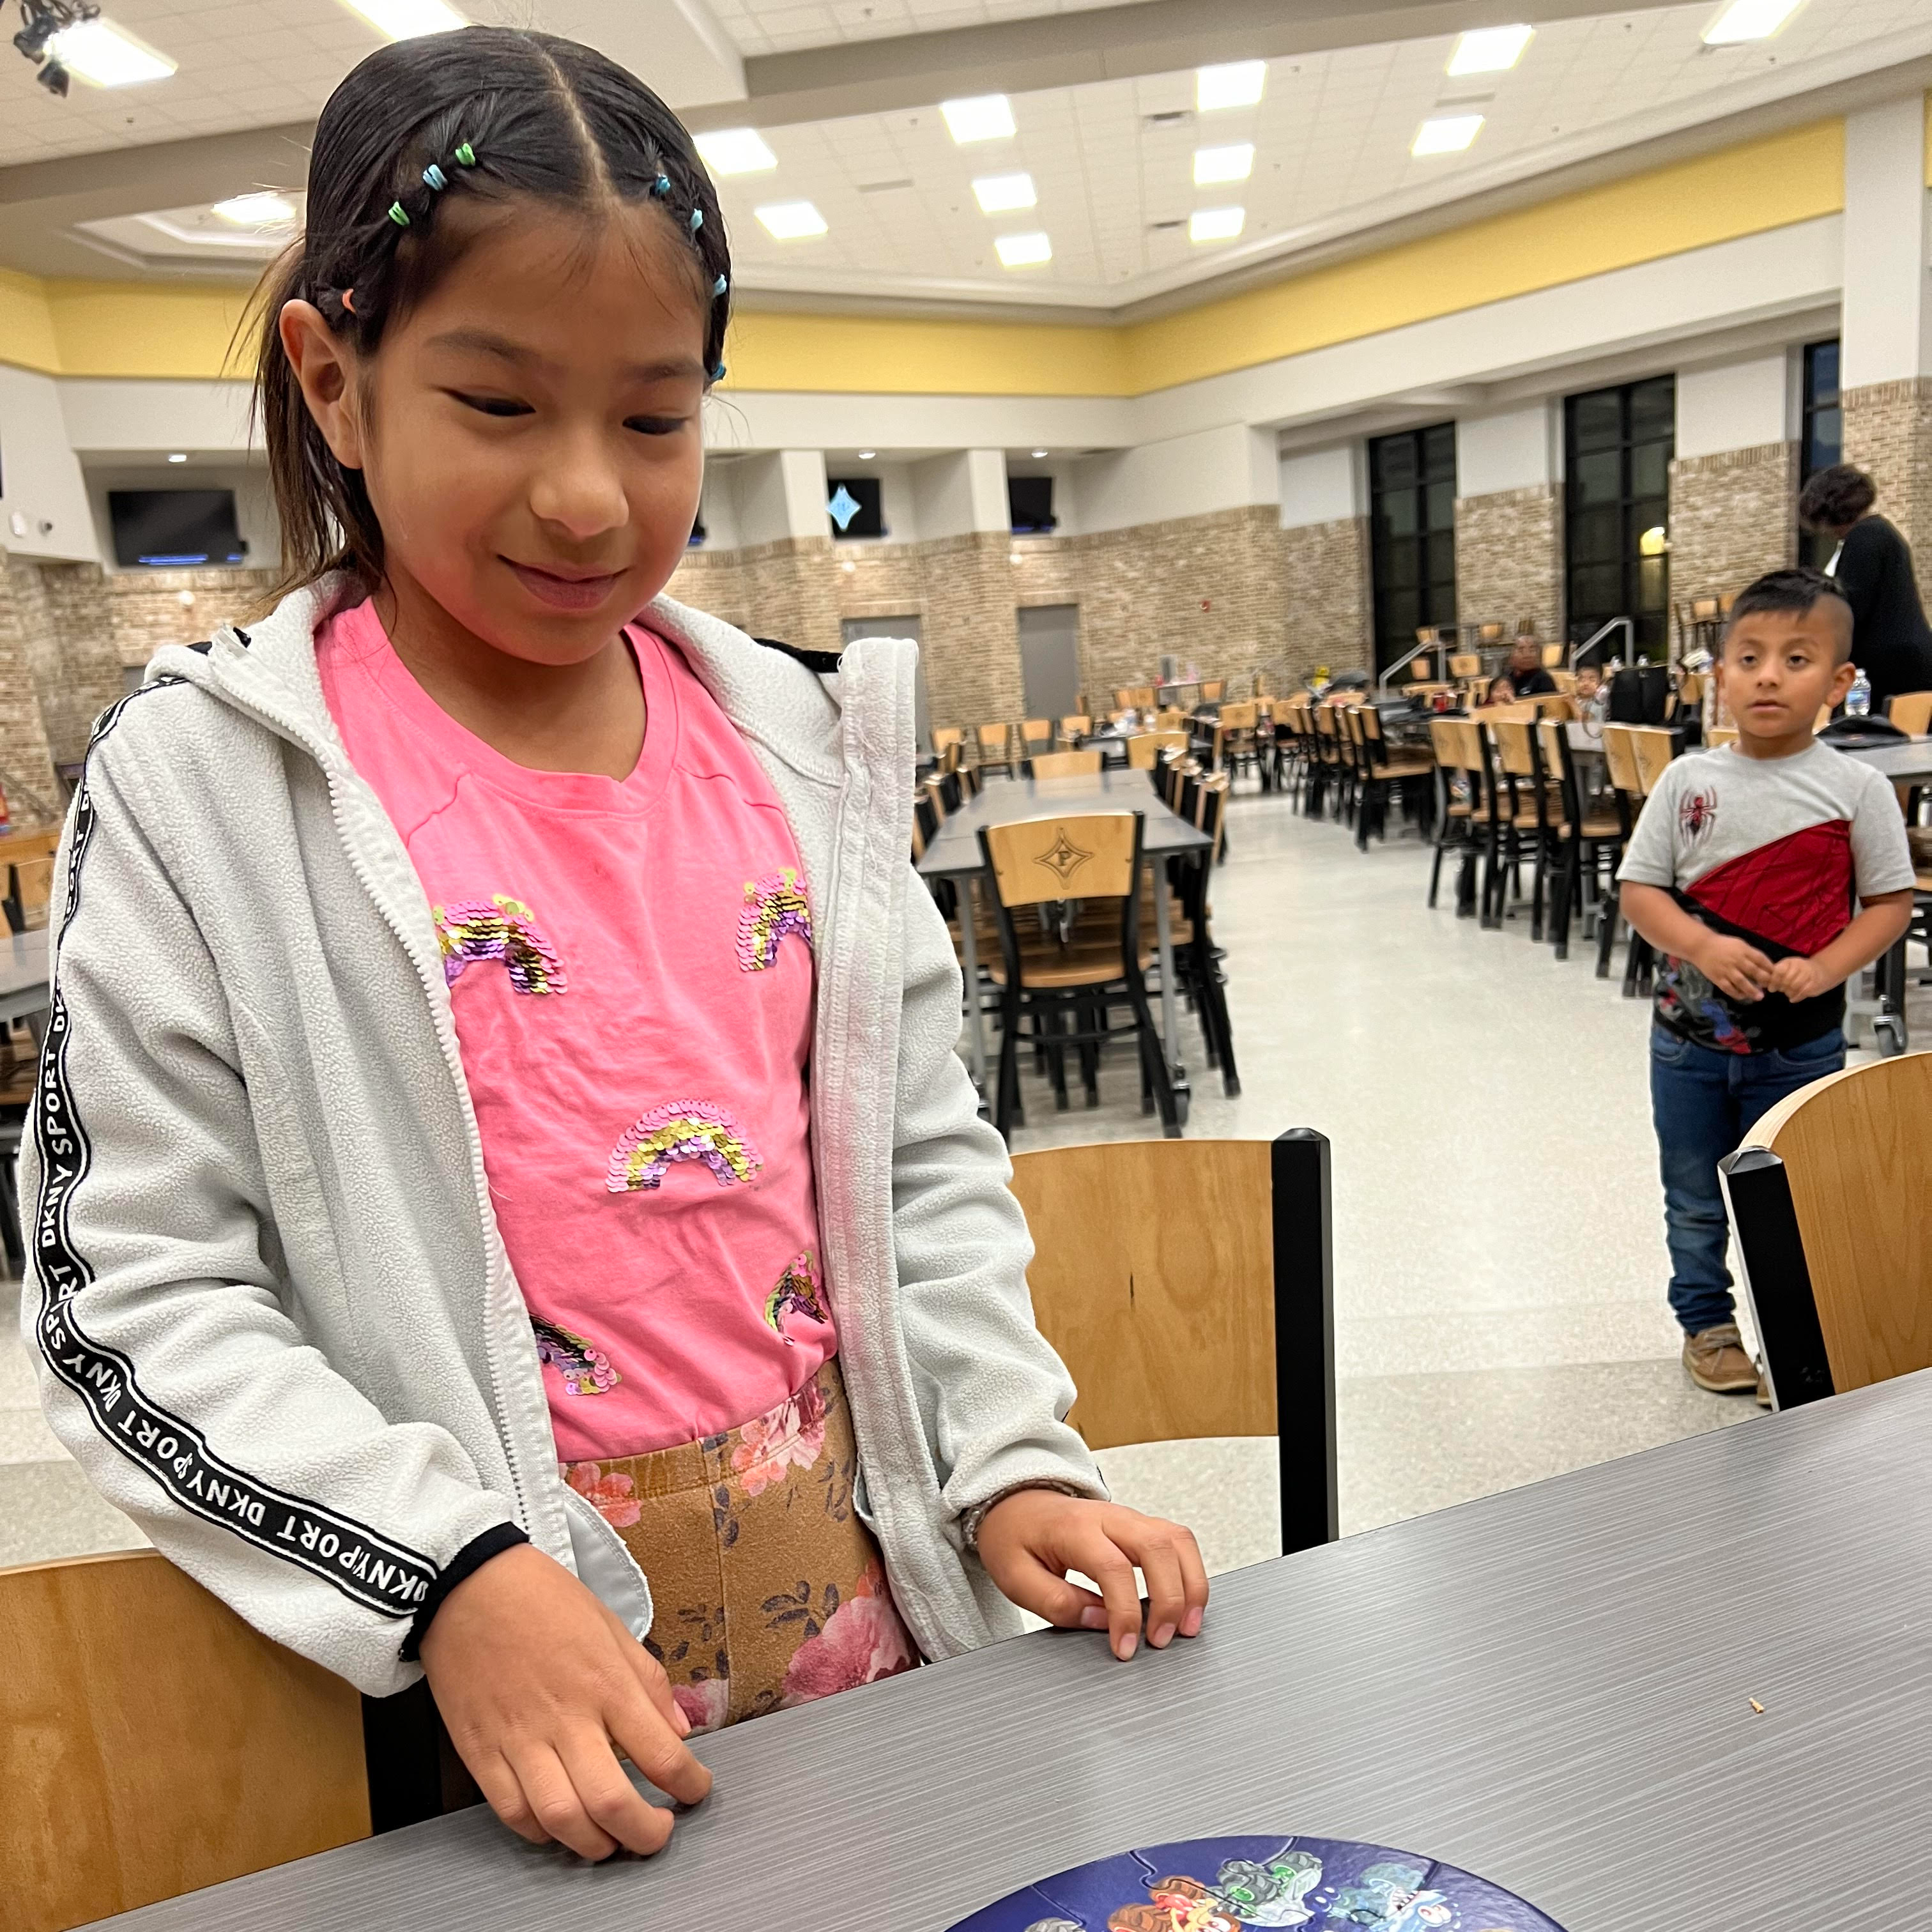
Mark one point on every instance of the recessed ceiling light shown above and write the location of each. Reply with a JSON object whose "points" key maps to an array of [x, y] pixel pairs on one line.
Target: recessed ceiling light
{"points": [[1238, 84], [1000, 194], [405, 19], [1223, 164], [1039, 453], [1216, 224], [866, 455], [107, 55], [1489, 49], [1449, 134], [256, 210], [791, 220], [179, 456], [985, 117], [1749, 20], [736, 151], [1023, 251]]}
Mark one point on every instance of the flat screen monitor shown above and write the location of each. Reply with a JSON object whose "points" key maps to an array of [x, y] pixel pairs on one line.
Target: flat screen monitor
{"points": [[855, 507], [160, 527], [1030, 499]]}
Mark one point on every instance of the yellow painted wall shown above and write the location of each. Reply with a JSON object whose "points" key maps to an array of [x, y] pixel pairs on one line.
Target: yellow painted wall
{"points": [[103, 328]]}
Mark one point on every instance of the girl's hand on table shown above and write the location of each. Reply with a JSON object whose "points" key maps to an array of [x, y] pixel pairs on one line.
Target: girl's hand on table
{"points": [[540, 1687], [1030, 1540]]}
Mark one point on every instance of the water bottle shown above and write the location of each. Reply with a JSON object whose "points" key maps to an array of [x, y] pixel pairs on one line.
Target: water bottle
{"points": [[1857, 699]]}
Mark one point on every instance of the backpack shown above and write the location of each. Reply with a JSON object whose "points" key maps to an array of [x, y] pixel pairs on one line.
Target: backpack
{"points": [[1640, 695]]}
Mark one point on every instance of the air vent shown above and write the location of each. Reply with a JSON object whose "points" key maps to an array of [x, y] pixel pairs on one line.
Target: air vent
{"points": [[883, 187], [1174, 117], [1162, 227]]}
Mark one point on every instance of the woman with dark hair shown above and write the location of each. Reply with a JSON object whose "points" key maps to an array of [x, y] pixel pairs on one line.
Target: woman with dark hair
{"points": [[1892, 643]]}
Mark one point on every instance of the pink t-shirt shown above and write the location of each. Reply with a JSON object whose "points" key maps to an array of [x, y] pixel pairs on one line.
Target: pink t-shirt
{"points": [[630, 967]]}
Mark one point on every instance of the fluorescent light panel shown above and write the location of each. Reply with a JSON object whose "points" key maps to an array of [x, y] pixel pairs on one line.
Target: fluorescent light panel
{"points": [[263, 210], [985, 117], [1749, 20], [1216, 224], [736, 151], [791, 220], [1237, 84], [1223, 164], [104, 55], [1450, 134], [406, 19], [1000, 194], [1489, 49], [1023, 251]]}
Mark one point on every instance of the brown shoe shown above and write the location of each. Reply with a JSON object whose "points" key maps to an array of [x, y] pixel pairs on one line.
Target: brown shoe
{"points": [[1715, 1359]]}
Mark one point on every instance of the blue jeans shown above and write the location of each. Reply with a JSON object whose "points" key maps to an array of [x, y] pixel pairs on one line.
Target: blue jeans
{"points": [[1704, 1102]]}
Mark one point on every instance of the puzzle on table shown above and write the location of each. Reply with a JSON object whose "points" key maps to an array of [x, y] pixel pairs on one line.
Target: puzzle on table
{"points": [[1221, 1885]]}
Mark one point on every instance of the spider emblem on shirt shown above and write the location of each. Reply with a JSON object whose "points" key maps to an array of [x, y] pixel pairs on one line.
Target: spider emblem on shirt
{"points": [[1697, 814]]}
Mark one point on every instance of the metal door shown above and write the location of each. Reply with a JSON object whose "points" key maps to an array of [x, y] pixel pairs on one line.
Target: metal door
{"points": [[1050, 659]]}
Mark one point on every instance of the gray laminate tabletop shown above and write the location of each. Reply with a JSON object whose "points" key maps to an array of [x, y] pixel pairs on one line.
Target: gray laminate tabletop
{"points": [[1551, 1687], [955, 852], [23, 974], [1903, 764]]}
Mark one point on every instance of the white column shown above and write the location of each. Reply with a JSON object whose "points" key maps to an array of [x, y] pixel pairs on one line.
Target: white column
{"points": [[959, 493], [1227, 468], [1887, 330], [1733, 405], [780, 495]]}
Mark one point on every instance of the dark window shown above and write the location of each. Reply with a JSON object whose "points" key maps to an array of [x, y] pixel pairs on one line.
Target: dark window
{"points": [[1029, 504], [1412, 527], [854, 508], [696, 539], [1617, 444], [1821, 439]]}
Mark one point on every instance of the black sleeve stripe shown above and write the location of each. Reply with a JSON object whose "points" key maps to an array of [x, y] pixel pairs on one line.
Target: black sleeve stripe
{"points": [[373, 1571], [464, 1564]]}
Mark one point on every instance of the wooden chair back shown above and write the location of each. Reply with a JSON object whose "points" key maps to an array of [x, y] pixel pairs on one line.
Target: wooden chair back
{"points": [[1213, 690], [1465, 664], [1620, 760], [1565, 682], [1514, 751], [151, 1743], [1036, 731], [1553, 656], [994, 739], [1173, 719], [1912, 712], [947, 737], [1720, 734], [1066, 764], [1831, 1198], [1185, 1285], [1144, 750], [1489, 634], [1074, 728], [1086, 856], [1239, 717], [1655, 748], [1458, 744]]}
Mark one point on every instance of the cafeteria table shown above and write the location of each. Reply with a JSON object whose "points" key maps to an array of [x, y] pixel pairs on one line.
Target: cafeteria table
{"points": [[23, 980], [1557, 1687], [955, 854]]}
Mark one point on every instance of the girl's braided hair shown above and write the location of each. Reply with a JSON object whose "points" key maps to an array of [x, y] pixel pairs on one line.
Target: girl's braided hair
{"points": [[487, 112]]}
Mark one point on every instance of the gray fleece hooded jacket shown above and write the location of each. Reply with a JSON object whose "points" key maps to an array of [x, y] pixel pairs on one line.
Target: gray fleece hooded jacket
{"points": [[268, 1304]]}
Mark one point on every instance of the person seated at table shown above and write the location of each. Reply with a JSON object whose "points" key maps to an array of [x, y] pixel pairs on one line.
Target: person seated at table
{"points": [[1501, 691], [1741, 873], [1527, 676], [478, 1224], [1589, 687]]}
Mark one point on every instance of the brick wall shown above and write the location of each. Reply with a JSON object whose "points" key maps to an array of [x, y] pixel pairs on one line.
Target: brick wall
{"points": [[789, 586], [971, 650], [144, 609], [25, 766], [1889, 433], [1509, 559], [1733, 516], [1324, 588], [713, 580]]}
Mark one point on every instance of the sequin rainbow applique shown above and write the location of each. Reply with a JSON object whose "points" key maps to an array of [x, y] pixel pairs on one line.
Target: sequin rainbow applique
{"points": [[498, 928], [585, 1368], [682, 1130], [774, 906], [797, 1293]]}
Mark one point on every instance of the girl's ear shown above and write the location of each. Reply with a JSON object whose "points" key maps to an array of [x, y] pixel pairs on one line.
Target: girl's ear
{"points": [[324, 366]]}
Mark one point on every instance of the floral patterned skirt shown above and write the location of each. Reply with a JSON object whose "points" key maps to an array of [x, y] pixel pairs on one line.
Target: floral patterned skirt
{"points": [[769, 1591]]}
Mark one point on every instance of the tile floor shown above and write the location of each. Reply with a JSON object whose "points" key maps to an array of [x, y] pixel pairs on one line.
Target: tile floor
{"points": [[1499, 1260]]}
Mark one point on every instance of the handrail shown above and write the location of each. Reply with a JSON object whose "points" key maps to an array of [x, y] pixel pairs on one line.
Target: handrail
{"points": [[1602, 632], [1438, 650]]}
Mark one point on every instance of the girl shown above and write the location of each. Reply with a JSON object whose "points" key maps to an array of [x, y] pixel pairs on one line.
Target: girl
{"points": [[500, 1137]]}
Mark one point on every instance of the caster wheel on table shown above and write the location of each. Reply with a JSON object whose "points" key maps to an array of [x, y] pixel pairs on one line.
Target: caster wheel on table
{"points": [[1889, 1035]]}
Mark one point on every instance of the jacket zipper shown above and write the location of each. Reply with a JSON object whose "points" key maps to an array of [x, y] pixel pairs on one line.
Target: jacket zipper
{"points": [[445, 1039]]}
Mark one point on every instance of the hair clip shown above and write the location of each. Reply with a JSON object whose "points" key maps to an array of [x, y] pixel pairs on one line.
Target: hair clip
{"points": [[719, 287], [660, 187], [696, 220], [718, 374], [433, 177], [398, 214], [466, 156]]}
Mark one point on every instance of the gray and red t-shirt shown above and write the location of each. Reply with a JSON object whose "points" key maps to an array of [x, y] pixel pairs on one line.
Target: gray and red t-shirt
{"points": [[1772, 851]]}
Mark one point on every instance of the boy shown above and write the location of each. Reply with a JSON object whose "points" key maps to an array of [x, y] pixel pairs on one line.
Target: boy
{"points": [[1741, 873]]}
